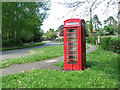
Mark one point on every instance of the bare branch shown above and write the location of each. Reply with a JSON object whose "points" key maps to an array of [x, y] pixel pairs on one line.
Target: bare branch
{"points": [[90, 5], [77, 8]]}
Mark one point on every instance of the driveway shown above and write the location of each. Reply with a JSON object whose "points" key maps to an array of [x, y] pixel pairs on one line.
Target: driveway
{"points": [[21, 52]]}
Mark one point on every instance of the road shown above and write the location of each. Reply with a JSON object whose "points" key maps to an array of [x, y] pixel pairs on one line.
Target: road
{"points": [[21, 52]]}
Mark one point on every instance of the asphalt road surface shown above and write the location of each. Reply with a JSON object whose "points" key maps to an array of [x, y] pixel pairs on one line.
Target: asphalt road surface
{"points": [[22, 52]]}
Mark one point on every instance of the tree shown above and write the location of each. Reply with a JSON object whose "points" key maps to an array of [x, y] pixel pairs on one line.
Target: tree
{"points": [[47, 34], [60, 28], [87, 27], [111, 26], [51, 30], [110, 21], [96, 22], [22, 20], [53, 35], [87, 7], [108, 30], [91, 26]]}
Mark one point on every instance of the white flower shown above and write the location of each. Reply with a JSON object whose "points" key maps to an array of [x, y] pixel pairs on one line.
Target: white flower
{"points": [[88, 83]]}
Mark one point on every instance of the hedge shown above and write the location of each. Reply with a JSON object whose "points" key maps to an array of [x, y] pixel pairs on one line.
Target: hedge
{"points": [[91, 39], [62, 39], [111, 44], [11, 42]]}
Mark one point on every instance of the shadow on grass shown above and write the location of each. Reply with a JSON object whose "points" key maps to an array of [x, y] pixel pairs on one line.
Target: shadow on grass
{"points": [[108, 67], [92, 63]]}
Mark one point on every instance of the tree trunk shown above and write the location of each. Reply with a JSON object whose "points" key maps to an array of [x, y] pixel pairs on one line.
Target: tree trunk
{"points": [[15, 35], [9, 34], [90, 13], [91, 27]]}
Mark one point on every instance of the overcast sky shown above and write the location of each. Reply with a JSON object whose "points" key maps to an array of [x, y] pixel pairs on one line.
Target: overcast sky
{"points": [[57, 11]]}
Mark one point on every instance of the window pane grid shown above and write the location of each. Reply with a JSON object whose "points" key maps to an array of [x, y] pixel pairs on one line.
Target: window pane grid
{"points": [[72, 48]]}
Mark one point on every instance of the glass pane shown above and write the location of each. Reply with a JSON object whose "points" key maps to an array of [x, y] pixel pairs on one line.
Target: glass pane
{"points": [[74, 35], [71, 30], [72, 53], [72, 49], [70, 44], [72, 39], [75, 44], [72, 57], [71, 35], [72, 61]]}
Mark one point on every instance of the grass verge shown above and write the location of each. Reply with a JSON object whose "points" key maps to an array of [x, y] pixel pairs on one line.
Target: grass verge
{"points": [[102, 72], [37, 55], [26, 45], [103, 65]]}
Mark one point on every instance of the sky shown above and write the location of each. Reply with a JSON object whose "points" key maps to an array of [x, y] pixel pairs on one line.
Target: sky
{"points": [[57, 11]]}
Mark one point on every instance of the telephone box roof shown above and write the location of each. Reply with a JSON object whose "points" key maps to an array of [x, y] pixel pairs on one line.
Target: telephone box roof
{"points": [[78, 19]]}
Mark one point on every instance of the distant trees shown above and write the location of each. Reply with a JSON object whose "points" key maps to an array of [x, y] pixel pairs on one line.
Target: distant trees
{"points": [[51, 34], [108, 30], [87, 7], [60, 28], [87, 27], [110, 27], [91, 26], [96, 23], [110, 21], [22, 20]]}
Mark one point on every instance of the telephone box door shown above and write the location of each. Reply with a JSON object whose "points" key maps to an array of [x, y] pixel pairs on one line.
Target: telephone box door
{"points": [[71, 48]]}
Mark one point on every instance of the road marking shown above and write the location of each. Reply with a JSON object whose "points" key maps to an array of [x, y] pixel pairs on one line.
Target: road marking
{"points": [[51, 61]]}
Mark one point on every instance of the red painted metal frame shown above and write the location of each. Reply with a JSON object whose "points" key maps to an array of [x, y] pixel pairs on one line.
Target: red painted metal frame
{"points": [[78, 65]]}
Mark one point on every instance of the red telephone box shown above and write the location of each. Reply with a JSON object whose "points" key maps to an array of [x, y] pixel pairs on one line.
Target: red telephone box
{"points": [[74, 44]]}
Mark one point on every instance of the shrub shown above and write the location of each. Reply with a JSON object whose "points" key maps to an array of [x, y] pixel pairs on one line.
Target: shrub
{"points": [[62, 39], [5, 43], [53, 36], [11, 42], [91, 39], [111, 44]]}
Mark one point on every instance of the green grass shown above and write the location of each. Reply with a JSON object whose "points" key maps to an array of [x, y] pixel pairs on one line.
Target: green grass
{"points": [[60, 64], [102, 72], [26, 45], [104, 67], [36, 55]]}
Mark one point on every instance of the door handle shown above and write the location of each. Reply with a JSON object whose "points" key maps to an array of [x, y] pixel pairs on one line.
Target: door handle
{"points": [[66, 44]]}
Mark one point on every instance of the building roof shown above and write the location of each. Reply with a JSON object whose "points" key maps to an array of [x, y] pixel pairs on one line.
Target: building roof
{"points": [[93, 30]]}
